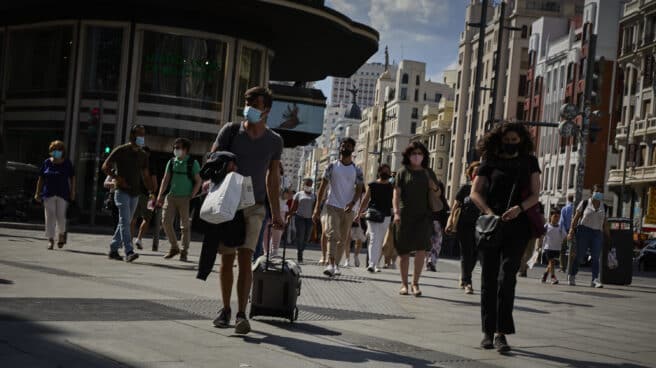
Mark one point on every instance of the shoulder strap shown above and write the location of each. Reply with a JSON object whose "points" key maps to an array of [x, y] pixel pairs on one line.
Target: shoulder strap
{"points": [[169, 166], [585, 205], [234, 130], [190, 169]]}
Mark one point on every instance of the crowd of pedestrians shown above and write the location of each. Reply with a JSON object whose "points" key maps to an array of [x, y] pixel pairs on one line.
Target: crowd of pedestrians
{"points": [[401, 214]]}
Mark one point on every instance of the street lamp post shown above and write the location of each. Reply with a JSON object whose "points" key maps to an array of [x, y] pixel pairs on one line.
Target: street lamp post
{"points": [[629, 144]]}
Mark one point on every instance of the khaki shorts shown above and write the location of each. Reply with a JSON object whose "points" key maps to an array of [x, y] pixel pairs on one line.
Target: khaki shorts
{"points": [[253, 216]]}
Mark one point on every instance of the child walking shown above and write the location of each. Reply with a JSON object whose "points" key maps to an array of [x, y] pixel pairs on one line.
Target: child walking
{"points": [[552, 242]]}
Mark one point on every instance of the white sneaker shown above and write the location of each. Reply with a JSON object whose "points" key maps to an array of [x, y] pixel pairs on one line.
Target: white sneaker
{"points": [[356, 261], [345, 264], [371, 269], [329, 271], [376, 269], [571, 280], [337, 272], [597, 284]]}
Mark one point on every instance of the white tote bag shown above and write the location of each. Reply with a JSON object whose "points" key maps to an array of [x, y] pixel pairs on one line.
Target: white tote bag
{"points": [[247, 196], [222, 201]]}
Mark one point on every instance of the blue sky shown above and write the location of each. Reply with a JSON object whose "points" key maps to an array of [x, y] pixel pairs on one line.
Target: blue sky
{"points": [[422, 30]]}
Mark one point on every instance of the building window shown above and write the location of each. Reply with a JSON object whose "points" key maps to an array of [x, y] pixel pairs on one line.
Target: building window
{"points": [[404, 94], [522, 86], [416, 95], [438, 97], [404, 79], [440, 163], [572, 176], [415, 113], [416, 80], [519, 114], [524, 31], [442, 140], [413, 127], [559, 183]]}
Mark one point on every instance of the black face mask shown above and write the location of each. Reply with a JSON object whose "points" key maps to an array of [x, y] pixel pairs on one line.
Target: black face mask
{"points": [[385, 176], [510, 148], [345, 152]]}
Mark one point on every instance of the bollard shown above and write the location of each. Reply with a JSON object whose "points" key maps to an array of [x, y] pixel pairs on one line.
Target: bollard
{"points": [[157, 225]]}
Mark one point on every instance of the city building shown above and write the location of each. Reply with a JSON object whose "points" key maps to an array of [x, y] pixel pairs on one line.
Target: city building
{"points": [[513, 68], [180, 70], [364, 80], [291, 161], [435, 134], [558, 55], [636, 126]]}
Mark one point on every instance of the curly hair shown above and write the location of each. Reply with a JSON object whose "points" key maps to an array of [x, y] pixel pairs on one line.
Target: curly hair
{"points": [[415, 146], [471, 168], [490, 146]]}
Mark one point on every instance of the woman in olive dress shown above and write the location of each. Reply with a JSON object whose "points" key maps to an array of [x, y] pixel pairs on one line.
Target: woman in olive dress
{"points": [[412, 213]]}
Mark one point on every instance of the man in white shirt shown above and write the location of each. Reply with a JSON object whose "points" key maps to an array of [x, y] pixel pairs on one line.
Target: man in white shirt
{"points": [[346, 183]]}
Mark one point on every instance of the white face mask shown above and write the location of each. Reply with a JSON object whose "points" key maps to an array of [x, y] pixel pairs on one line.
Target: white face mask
{"points": [[178, 153], [307, 189]]}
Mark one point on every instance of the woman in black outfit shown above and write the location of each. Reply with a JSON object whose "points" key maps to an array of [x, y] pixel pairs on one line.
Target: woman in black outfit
{"points": [[508, 171], [464, 229]]}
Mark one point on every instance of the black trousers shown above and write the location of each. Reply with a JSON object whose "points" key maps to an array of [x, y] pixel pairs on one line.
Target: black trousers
{"points": [[468, 251], [499, 277]]}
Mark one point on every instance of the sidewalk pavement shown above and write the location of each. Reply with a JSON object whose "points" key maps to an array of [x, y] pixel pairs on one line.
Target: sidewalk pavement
{"points": [[73, 307]]}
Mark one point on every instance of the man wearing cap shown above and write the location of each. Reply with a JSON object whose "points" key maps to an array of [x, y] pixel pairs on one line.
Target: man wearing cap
{"points": [[258, 150]]}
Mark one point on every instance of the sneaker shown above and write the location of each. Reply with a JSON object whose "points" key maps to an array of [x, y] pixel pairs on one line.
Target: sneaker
{"points": [[554, 281], [345, 264], [137, 243], [487, 343], [223, 319], [597, 284], [571, 280], [385, 266], [544, 278], [51, 244], [131, 256], [469, 289], [115, 256], [461, 284], [242, 326], [501, 344], [376, 269], [183, 256], [431, 267], [337, 272], [329, 271], [356, 261], [371, 269], [172, 253]]}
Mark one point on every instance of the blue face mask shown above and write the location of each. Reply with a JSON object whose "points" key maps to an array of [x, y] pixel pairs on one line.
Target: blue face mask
{"points": [[57, 154], [252, 114], [140, 141], [598, 196]]}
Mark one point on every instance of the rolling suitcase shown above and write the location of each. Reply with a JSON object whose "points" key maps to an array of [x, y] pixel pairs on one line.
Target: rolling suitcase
{"points": [[276, 286]]}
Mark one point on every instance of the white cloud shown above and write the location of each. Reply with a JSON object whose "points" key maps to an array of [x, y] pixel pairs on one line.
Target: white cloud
{"points": [[418, 20]]}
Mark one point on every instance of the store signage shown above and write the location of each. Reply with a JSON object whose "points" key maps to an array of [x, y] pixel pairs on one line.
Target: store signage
{"points": [[180, 66], [650, 217]]}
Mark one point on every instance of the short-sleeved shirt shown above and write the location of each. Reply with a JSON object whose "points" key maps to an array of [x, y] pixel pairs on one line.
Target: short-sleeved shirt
{"points": [[342, 180], [253, 155], [56, 178], [592, 218], [305, 204], [130, 162], [380, 195], [181, 184], [502, 175], [553, 237]]}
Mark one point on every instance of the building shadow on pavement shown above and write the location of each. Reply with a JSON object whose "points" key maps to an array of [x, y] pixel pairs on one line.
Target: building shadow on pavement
{"points": [[28, 344], [337, 353], [571, 362]]}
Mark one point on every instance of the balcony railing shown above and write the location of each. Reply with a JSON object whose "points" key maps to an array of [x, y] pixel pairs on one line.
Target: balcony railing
{"points": [[633, 175], [632, 7]]}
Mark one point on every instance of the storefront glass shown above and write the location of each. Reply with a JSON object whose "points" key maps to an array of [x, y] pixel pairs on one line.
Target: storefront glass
{"points": [[99, 106], [250, 71]]}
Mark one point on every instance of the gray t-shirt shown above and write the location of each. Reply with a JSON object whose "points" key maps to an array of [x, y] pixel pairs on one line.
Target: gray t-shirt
{"points": [[253, 155], [305, 204]]}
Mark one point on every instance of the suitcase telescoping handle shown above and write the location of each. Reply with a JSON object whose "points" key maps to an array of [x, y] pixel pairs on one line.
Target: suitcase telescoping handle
{"points": [[268, 253]]}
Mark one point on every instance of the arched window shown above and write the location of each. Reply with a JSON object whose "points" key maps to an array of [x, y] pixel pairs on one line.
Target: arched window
{"points": [[404, 79], [417, 80]]}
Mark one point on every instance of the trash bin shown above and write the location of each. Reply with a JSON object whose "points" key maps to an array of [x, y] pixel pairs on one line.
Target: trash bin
{"points": [[622, 240]]}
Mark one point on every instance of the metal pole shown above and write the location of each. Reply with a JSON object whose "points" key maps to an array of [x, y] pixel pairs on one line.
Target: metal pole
{"points": [[497, 61], [471, 155], [96, 166], [382, 132]]}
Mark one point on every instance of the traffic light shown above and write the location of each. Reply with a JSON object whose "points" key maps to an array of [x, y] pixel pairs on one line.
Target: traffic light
{"points": [[597, 75], [108, 149], [94, 121]]}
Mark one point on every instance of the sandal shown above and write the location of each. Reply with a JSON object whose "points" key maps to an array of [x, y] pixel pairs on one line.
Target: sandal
{"points": [[416, 291], [404, 290]]}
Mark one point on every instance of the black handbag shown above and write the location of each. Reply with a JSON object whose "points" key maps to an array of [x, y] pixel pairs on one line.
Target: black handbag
{"points": [[487, 226], [374, 215]]}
